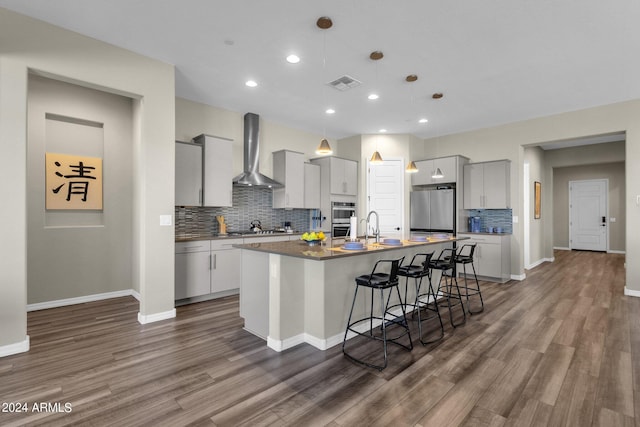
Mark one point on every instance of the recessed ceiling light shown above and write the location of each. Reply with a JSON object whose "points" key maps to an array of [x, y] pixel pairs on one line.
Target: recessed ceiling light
{"points": [[293, 59], [423, 121], [382, 130], [373, 96], [330, 111], [437, 95], [251, 83]]}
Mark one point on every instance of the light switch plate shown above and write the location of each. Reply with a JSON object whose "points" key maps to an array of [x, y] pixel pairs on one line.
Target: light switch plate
{"points": [[612, 219], [515, 219], [165, 220]]}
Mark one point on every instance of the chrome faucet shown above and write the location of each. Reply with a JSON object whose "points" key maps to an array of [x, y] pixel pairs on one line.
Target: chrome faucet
{"points": [[376, 232]]}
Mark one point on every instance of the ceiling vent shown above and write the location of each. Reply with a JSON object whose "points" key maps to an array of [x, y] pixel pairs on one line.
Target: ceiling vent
{"points": [[344, 83]]}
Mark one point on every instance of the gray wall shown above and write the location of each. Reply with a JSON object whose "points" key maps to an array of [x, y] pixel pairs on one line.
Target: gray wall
{"points": [[78, 253], [27, 44], [615, 173]]}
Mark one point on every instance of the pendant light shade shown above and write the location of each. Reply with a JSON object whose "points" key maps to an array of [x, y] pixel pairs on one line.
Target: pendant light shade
{"points": [[437, 174], [324, 147], [376, 159], [411, 167]]}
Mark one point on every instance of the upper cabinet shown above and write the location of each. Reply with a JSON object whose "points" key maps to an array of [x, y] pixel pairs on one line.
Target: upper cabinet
{"points": [[486, 185], [288, 169], [217, 173], [342, 175], [188, 174], [427, 168], [311, 186]]}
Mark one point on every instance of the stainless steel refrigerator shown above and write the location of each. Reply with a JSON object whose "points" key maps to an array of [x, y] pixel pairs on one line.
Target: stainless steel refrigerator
{"points": [[433, 210]]}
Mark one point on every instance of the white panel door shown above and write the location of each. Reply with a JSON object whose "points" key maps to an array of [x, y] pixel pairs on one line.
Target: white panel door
{"points": [[588, 215], [386, 189]]}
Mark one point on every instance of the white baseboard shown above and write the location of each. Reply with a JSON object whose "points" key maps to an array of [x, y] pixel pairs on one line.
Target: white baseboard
{"points": [[156, 317], [80, 300], [20, 347], [616, 252], [631, 292], [319, 343], [539, 262], [561, 248], [519, 277]]}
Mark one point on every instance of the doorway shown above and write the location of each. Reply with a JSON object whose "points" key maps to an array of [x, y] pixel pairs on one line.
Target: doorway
{"points": [[588, 213], [385, 195]]}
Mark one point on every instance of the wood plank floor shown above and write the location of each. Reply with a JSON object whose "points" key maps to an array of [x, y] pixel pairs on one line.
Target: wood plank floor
{"points": [[559, 348]]}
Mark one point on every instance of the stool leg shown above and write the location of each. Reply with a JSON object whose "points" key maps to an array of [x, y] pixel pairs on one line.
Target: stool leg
{"points": [[479, 292], [384, 328], [464, 313], [430, 294], [404, 323], [353, 304]]}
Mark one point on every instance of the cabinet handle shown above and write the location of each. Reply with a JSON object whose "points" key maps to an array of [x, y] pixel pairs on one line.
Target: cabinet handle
{"points": [[215, 259], [200, 196], [210, 262]]}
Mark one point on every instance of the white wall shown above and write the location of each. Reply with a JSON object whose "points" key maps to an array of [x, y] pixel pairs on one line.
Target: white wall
{"points": [[507, 141], [27, 44], [193, 119], [534, 156]]}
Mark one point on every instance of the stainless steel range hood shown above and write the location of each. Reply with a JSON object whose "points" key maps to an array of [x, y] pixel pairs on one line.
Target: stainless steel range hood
{"points": [[251, 175]]}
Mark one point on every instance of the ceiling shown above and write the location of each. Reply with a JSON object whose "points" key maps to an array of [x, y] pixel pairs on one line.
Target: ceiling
{"points": [[495, 61]]}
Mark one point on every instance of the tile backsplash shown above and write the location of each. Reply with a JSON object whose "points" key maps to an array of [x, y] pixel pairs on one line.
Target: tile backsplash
{"points": [[494, 218], [249, 203]]}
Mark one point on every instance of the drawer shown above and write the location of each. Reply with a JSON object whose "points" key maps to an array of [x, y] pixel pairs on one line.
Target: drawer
{"points": [[194, 246], [222, 244]]}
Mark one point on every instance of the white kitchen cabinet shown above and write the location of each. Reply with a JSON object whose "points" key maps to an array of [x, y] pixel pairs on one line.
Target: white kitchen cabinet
{"points": [[192, 274], [340, 176], [426, 168], [226, 265], [188, 190], [492, 257], [344, 176], [288, 169], [486, 185], [311, 186], [217, 176]]}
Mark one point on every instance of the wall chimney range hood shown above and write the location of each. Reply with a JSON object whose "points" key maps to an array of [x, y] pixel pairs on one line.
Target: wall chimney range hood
{"points": [[251, 177]]}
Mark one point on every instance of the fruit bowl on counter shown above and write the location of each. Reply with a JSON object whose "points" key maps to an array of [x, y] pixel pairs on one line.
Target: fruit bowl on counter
{"points": [[313, 238]]}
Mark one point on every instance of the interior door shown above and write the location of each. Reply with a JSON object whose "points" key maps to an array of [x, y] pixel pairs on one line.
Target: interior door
{"points": [[385, 196], [588, 215]]}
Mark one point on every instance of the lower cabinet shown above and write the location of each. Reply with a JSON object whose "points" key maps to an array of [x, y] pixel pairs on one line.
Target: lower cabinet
{"points": [[192, 274], [226, 264], [206, 267], [492, 257]]}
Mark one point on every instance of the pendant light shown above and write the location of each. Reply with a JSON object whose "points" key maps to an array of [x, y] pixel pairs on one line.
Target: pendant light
{"points": [[324, 148], [324, 23], [411, 167], [437, 174], [376, 159]]}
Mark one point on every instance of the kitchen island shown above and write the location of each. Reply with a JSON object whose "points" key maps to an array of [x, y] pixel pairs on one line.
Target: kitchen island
{"points": [[292, 292]]}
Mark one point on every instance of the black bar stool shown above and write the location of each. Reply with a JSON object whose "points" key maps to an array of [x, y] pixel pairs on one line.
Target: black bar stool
{"points": [[418, 269], [464, 257], [446, 264], [379, 281]]}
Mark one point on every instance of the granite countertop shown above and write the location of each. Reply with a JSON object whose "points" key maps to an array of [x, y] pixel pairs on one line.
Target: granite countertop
{"points": [[249, 235], [485, 233], [332, 248]]}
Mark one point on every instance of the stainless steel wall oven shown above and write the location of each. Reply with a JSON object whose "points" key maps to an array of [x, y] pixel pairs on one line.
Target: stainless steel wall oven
{"points": [[341, 212]]}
